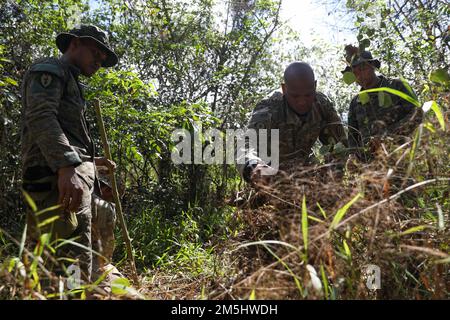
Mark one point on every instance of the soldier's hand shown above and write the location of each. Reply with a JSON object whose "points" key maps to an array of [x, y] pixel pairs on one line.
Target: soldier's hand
{"points": [[70, 188], [102, 161], [262, 173]]}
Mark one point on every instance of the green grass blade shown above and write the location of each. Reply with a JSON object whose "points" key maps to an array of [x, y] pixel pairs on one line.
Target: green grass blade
{"points": [[315, 219], [296, 278], [408, 87], [413, 230], [48, 221], [29, 200], [305, 225], [437, 111], [398, 93], [347, 249], [342, 211], [47, 210], [321, 210], [325, 282]]}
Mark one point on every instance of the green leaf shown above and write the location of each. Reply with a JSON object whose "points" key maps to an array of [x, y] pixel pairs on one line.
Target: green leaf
{"points": [[365, 43], [437, 111], [349, 77], [342, 211], [119, 286], [305, 224], [324, 149], [47, 210], [402, 95], [30, 201], [440, 76], [11, 81], [408, 87], [364, 97], [283, 263], [412, 230], [48, 221], [321, 210], [315, 219], [325, 282], [252, 295], [427, 125], [346, 249]]}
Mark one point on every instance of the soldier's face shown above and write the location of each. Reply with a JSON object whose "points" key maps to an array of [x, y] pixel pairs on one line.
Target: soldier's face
{"points": [[89, 57], [300, 94], [365, 75]]}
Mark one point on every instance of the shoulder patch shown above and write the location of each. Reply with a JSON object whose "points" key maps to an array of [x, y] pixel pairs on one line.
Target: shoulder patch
{"points": [[48, 68], [46, 79]]}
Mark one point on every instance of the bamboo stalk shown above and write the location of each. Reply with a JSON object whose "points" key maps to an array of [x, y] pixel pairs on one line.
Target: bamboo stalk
{"points": [[123, 225]]}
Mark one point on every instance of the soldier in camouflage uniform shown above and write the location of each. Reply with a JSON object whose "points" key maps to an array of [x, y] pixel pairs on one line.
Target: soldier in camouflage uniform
{"points": [[57, 149], [302, 116], [371, 120]]}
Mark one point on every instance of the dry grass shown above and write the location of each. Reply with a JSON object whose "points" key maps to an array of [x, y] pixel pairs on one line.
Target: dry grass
{"points": [[399, 222]]}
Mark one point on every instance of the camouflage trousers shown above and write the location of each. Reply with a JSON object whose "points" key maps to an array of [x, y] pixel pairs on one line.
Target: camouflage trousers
{"points": [[75, 226], [103, 223]]}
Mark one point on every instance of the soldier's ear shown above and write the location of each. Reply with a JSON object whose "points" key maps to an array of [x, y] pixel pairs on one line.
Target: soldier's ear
{"points": [[283, 88]]}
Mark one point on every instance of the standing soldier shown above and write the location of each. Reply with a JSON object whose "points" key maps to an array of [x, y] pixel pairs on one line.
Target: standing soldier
{"points": [[301, 115], [57, 149], [371, 120]]}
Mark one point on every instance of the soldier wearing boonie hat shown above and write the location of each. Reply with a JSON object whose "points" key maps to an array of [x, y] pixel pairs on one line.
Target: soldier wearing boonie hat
{"points": [[58, 153], [376, 118]]}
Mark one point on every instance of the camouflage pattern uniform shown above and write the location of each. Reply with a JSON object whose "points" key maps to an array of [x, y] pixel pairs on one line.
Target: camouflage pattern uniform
{"points": [[103, 223], [297, 133], [393, 116], [55, 134]]}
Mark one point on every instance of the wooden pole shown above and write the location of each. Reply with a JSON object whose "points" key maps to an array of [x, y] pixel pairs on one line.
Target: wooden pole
{"points": [[123, 225]]}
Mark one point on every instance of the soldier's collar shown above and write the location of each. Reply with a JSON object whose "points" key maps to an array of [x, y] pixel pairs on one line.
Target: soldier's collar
{"points": [[73, 69]]}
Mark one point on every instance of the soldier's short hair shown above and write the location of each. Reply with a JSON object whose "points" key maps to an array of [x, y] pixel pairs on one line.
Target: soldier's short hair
{"points": [[298, 70]]}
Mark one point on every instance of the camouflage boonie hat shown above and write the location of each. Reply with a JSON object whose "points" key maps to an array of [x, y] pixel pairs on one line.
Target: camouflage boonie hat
{"points": [[354, 57], [91, 32]]}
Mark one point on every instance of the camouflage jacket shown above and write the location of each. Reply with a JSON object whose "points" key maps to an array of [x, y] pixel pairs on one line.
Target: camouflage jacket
{"points": [[297, 133], [392, 116], [55, 132]]}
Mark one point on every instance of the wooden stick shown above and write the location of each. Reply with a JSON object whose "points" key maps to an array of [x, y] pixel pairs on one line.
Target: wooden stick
{"points": [[123, 225]]}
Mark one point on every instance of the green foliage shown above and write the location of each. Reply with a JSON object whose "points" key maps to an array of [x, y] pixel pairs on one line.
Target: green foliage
{"points": [[181, 66], [349, 77]]}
